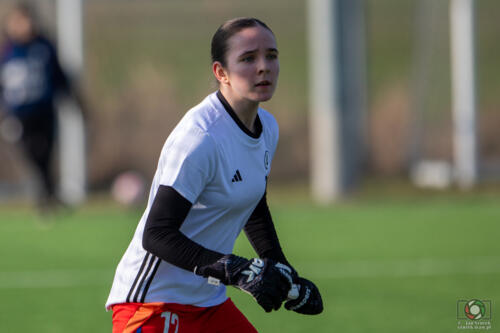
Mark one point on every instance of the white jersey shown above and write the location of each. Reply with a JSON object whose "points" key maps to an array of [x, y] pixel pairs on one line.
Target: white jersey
{"points": [[222, 171]]}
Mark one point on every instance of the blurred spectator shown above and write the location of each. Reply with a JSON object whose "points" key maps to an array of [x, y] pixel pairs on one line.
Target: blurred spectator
{"points": [[31, 77]]}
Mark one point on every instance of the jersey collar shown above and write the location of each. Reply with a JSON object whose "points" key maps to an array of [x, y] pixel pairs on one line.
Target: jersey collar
{"points": [[229, 109]]}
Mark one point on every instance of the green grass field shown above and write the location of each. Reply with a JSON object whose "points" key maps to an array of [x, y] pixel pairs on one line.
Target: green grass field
{"points": [[384, 262]]}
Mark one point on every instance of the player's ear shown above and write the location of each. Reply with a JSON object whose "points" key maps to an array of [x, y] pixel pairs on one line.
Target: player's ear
{"points": [[220, 73]]}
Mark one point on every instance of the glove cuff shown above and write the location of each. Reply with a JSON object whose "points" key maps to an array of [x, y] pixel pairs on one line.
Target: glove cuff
{"points": [[225, 269]]}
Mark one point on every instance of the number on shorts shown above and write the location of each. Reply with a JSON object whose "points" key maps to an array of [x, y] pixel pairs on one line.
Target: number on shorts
{"points": [[170, 318]]}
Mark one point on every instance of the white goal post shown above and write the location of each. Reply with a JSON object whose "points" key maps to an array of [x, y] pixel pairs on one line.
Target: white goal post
{"points": [[463, 80], [72, 149]]}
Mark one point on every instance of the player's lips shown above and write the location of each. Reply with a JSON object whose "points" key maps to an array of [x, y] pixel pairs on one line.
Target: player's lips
{"points": [[263, 83]]}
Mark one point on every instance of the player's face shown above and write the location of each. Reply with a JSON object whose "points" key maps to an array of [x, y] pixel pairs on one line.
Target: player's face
{"points": [[19, 27], [252, 64]]}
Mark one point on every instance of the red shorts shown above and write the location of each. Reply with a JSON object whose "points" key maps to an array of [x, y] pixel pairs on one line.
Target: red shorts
{"points": [[179, 318]]}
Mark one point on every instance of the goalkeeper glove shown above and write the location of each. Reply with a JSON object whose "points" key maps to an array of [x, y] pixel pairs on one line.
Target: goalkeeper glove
{"points": [[261, 278], [309, 299], [303, 296]]}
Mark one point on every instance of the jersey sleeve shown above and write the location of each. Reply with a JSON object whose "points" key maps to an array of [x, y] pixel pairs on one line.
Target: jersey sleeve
{"points": [[188, 162]]}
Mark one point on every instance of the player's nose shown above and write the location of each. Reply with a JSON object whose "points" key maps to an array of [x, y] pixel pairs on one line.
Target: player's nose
{"points": [[263, 65]]}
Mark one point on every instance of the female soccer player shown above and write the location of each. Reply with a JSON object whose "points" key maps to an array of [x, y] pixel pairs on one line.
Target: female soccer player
{"points": [[210, 184]]}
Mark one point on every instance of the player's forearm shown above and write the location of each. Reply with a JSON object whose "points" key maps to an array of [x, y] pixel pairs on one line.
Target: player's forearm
{"points": [[262, 234], [163, 238], [175, 248]]}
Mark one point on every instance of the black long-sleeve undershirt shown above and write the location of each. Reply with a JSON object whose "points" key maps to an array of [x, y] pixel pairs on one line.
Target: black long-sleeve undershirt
{"points": [[261, 233], [163, 238]]}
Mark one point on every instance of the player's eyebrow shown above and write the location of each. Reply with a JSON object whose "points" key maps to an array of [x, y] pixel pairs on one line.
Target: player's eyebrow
{"points": [[271, 49]]}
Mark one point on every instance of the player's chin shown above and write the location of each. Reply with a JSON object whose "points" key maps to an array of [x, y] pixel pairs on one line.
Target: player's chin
{"points": [[263, 96], [265, 99]]}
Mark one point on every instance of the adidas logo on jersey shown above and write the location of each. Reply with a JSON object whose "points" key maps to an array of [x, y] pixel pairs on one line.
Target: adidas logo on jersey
{"points": [[237, 177]]}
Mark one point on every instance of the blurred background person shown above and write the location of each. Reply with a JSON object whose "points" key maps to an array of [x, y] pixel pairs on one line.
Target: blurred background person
{"points": [[31, 78]]}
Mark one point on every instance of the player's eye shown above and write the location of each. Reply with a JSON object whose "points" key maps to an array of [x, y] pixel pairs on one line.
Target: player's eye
{"points": [[249, 58], [272, 56]]}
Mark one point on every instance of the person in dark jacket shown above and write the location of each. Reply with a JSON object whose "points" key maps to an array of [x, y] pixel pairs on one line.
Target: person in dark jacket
{"points": [[30, 79]]}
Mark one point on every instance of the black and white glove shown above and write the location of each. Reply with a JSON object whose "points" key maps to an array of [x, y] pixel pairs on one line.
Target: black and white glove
{"points": [[261, 278], [304, 298]]}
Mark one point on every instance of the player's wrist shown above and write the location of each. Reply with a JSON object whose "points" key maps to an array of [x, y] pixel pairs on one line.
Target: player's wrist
{"points": [[261, 278], [225, 269]]}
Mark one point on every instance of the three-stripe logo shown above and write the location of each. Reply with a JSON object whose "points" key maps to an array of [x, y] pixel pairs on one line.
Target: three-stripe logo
{"points": [[143, 279], [237, 177]]}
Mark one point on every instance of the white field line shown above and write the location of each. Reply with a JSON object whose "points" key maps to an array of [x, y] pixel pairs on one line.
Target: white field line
{"points": [[64, 278], [422, 267], [58, 278]]}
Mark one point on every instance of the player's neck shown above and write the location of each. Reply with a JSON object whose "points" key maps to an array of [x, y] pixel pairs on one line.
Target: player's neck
{"points": [[245, 109]]}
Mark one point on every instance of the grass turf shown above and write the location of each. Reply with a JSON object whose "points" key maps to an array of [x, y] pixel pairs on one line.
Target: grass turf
{"points": [[392, 263]]}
